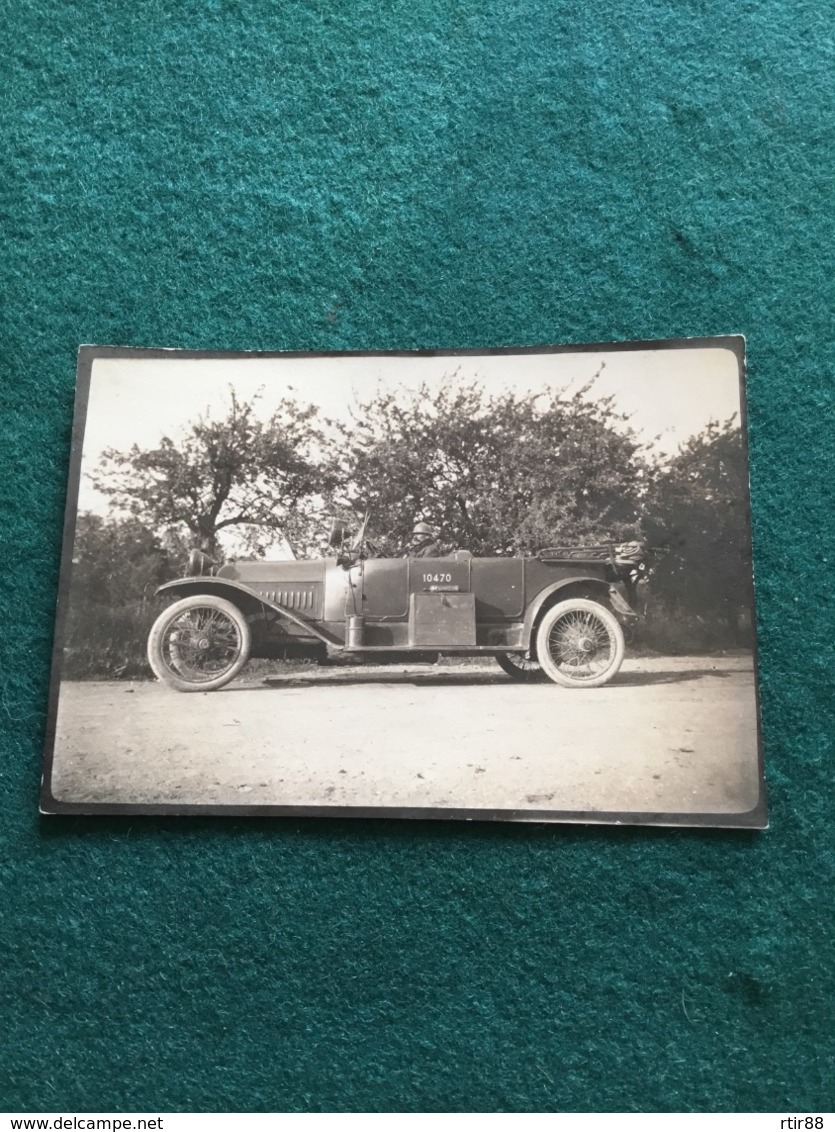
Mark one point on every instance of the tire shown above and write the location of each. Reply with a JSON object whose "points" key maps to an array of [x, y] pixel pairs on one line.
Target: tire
{"points": [[580, 644], [521, 667], [199, 644]]}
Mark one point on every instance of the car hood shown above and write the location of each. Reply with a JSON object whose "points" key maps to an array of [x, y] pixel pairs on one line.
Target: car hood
{"points": [[249, 571]]}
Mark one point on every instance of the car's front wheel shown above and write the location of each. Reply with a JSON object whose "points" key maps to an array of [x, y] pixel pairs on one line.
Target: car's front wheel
{"points": [[580, 644], [199, 644]]}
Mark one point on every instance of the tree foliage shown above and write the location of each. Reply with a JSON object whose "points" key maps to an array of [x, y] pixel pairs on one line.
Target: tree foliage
{"points": [[117, 566], [116, 561], [497, 475], [239, 471], [697, 510]]}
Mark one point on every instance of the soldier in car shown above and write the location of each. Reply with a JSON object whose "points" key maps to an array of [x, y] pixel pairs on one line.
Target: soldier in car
{"points": [[423, 542]]}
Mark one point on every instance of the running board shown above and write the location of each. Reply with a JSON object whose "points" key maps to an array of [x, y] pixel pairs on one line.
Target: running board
{"points": [[472, 650]]}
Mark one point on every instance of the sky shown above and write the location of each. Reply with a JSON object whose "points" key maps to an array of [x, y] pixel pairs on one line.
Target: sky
{"points": [[670, 395]]}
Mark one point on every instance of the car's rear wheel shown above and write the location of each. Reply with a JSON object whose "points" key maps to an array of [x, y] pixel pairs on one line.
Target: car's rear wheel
{"points": [[521, 666], [580, 644], [199, 644]]}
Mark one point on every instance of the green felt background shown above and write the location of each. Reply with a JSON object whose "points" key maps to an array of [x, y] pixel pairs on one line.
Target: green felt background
{"points": [[333, 175]]}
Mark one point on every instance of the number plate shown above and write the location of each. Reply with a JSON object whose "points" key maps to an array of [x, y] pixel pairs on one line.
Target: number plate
{"points": [[438, 575]]}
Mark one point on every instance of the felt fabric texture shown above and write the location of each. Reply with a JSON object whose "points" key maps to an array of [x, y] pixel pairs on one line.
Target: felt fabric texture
{"points": [[438, 173]]}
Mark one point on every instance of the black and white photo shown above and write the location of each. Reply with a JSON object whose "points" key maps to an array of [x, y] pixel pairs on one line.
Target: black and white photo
{"points": [[508, 584]]}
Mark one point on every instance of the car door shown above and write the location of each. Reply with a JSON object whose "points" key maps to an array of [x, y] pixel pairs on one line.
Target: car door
{"points": [[385, 587], [499, 588]]}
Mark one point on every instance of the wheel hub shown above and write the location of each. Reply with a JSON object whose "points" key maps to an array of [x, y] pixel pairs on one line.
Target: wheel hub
{"points": [[203, 643], [586, 644]]}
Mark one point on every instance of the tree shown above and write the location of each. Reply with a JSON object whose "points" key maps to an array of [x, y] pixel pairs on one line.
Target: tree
{"points": [[240, 471], [117, 566], [697, 511], [496, 475], [117, 562]]}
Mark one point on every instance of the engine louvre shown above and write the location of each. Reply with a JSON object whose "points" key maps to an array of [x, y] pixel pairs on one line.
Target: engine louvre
{"points": [[305, 599]]}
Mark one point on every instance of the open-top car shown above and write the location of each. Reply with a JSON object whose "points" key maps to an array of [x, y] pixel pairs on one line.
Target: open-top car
{"points": [[554, 614]]}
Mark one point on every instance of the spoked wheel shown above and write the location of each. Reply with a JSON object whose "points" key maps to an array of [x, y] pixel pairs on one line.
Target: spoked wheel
{"points": [[580, 644], [199, 644], [521, 666]]}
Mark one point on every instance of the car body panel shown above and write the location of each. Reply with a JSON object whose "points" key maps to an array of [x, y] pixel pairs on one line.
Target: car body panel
{"points": [[499, 588], [384, 584], [297, 585], [456, 603]]}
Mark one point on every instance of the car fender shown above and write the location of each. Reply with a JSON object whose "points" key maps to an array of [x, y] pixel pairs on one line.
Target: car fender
{"points": [[248, 602], [543, 597]]}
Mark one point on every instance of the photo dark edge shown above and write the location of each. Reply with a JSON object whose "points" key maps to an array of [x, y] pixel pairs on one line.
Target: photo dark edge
{"points": [[86, 356]]}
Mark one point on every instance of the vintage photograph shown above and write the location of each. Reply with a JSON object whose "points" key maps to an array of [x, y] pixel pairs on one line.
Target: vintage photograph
{"points": [[509, 584]]}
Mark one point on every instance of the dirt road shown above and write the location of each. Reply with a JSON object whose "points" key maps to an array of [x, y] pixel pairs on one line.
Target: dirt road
{"points": [[668, 735]]}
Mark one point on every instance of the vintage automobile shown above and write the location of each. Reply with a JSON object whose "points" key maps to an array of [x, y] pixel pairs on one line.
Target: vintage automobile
{"points": [[552, 615]]}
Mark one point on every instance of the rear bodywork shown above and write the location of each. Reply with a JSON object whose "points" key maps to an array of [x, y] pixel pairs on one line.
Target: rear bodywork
{"points": [[454, 605]]}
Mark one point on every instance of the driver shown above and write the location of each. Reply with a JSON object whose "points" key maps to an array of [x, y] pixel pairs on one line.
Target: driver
{"points": [[423, 542]]}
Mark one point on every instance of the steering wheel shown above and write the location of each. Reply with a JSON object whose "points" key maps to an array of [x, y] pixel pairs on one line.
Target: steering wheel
{"points": [[375, 550]]}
